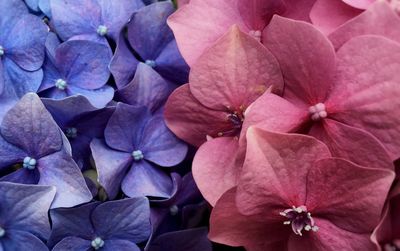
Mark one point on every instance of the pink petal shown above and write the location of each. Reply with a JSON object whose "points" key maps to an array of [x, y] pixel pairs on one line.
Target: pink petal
{"points": [[327, 15], [190, 120], [330, 237], [359, 4], [367, 89], [216, 167], [299, 9], [353, 144], [307, 64], [378, 19], [234, 72], [180, 3], [273, 113], [230, 227], [275, 171], [350, 196]]}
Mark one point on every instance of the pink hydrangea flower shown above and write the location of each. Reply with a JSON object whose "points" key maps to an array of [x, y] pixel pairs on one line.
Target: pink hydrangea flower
{"points": [[293, 196], [200, 23], [328, 15], [387, 234], [345, 99], [225, 80]]}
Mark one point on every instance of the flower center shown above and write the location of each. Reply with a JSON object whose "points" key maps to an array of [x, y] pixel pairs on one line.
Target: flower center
{"points": [[2, 232], [235, 120], [318, 111], [300, 219], [174, 210], [61, 84], [137, 155], [256, 34], [102, 30], [29, 163], [71, 132], [1, 51], [150, 63], [97, 243], [393, 246]]}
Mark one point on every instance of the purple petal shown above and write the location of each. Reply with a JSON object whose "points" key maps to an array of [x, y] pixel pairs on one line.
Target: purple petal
{"points": [[123, 219], [123, 64], [24, 207], [29, 126], [120, 245], [111, 166], [143, 179], [147, 88], [23, 176], [73, 243], [9, 154], [125, 127], [159, 144], [61, 171], [98, 97], [22, 240]]}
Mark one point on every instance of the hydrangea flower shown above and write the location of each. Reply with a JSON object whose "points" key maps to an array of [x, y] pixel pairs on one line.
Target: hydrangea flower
{"points": [[77, 67], [137, 145], [293, 196], [93, 18], [387, 234], [222, 84], [150, 40], [108, 226], [30, 138], [147, 88], [378, 19], [81, 122], [21, 52], [199, 24], [329, 15], [344, 99], [194, 239], [24, 223]]}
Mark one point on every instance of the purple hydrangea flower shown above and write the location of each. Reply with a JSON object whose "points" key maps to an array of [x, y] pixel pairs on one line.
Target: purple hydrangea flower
{"points": [[24, 223], [21, 52], [91, 18], [81, 122], [147, 88], [136, 145], [153, 43], [30, 138], [109, 226], [77, 67]]}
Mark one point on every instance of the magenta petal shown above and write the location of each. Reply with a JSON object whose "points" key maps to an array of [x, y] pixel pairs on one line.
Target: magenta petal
{"points": [[352, 144], [216, 167], [365, 93], [190, 120], [308, 64], [378, 19], [350, 196], [327, 15], [271, 170], [360, 4], [234, 72], [230, 227]]}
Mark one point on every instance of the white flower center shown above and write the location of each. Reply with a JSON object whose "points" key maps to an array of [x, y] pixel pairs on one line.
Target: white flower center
{"points": [[300, 219], [318, 111]]}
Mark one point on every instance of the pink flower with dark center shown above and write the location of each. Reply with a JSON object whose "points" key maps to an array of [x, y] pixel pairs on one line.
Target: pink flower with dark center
{"points": [[292, 195], [200, 23], [345, 99], [225, 80]]}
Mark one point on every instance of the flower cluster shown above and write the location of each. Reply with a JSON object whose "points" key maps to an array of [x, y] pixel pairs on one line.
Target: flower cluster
{"points": [[293, 105], [199, 125]]}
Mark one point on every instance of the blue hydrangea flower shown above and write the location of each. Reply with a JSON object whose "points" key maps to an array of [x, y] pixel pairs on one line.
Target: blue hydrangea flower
{"points": [[30, 138], [81, 122], [153, 43], [77, 67], [24, 222], [137, 144], [109, 226], [147, 88], [91, 18]]}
